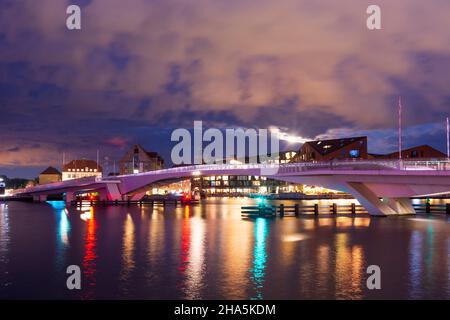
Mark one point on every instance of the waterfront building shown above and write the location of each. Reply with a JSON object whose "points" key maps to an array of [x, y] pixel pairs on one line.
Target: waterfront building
{"points": [[418, 152], [2, 187], [138, 160], [231, 185], [327, 150], [76, 169], [50, 175]]}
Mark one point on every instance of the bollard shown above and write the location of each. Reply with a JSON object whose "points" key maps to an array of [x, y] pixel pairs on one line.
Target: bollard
{"points": [[334, 207], [281, 210], [353, 208], [316, 209], [428, 208], [447, 208], [297, 210], [116, 202], [128, 202]]}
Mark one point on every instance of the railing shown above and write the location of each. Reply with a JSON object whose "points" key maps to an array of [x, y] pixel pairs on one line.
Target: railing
{"points": [[432, 208], [297, 210], [290, 167]]}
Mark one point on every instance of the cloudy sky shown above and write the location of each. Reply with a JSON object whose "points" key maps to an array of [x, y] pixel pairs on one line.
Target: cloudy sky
{"points": [[140, 68]]}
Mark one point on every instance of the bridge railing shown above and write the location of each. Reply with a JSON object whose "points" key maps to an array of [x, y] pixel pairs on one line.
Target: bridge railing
{"points": [[351, 164]]}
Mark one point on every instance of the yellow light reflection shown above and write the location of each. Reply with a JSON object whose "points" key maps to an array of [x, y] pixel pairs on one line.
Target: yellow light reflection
{"points": [[128, 262]]}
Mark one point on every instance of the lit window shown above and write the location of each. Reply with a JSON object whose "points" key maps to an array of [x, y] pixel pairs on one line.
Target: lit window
{"points": [[354, 153]]}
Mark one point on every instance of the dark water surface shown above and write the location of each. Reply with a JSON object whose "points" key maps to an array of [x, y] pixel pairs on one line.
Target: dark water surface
{"points": [[209, 252]]}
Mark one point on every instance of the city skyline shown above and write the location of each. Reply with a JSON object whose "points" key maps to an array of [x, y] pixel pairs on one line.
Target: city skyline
{"points": [[133, 74]]}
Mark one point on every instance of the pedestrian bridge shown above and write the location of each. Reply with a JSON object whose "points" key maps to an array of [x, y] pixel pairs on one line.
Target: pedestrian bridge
{"points": [[383, 187]]}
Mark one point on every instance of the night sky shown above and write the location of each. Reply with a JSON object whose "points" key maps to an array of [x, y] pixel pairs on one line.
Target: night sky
{"points": [[140, 68]]}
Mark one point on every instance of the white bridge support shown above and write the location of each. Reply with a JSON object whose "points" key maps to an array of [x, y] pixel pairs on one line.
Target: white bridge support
{"points": [[400, 205], [137, 196], [376, 207], [69, 197], [112, 192]]}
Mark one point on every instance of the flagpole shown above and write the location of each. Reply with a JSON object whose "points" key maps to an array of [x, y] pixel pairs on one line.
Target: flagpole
{"points": [[448, 140], [400, 128]]}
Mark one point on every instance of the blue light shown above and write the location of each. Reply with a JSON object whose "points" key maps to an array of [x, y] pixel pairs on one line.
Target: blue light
{"points": [[258, 271], [261, 201]]}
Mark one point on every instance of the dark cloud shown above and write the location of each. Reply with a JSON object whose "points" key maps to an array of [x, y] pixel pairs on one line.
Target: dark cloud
{"points": [[138, 69]]}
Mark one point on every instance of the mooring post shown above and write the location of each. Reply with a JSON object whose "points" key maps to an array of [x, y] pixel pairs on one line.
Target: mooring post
{"points": [[116, 202], [297, 210], [428, 208], [281, 210], [316, 209], [447, 208], [334, 208], [353, 208]]}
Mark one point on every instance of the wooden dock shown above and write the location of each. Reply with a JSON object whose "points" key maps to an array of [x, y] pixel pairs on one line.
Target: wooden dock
{"points": [[297, 210], [432, 208]]}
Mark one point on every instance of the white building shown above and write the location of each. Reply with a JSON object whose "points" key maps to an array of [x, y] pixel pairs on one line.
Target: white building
{"points": [[76, 169]]}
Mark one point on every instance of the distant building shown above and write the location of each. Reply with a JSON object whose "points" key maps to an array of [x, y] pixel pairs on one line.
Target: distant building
{"points": [[235, 185], [50, 175], [419, 152], [2, 186], [137, 160], [326, 150], [76, 169], [286, 156]]}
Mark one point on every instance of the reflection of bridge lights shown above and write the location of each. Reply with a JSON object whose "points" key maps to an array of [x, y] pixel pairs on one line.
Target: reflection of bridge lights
{"points": [[259, 256], [261, 201], [87, 215]]}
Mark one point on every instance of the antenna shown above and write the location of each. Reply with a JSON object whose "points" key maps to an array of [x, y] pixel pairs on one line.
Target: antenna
{"points": [[399, 128], [448, 141], [98, 156]]}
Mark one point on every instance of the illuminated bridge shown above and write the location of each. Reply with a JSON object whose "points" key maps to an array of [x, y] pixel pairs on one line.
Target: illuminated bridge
{"points": [[383, 187]]}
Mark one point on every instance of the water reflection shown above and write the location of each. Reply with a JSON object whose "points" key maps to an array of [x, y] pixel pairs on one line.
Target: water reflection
{"points": [[62, 232], [186, 252], [349, 268], [4, 245], [415, 263], [259, 257], [90, 253], [128, 248], [192, 264]]}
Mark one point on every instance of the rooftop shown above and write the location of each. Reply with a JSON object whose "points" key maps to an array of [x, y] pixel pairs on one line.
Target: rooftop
{"points": [[51, 170]]}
